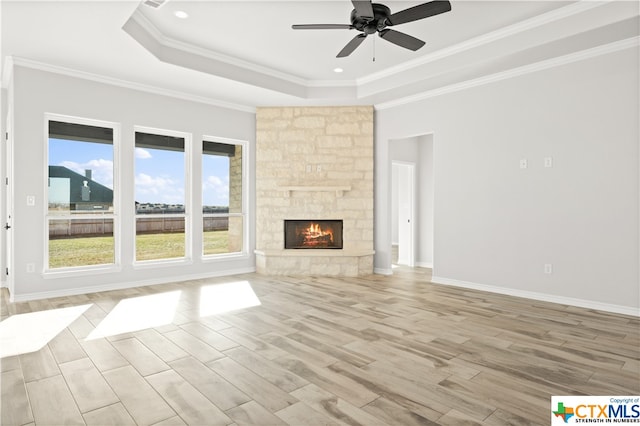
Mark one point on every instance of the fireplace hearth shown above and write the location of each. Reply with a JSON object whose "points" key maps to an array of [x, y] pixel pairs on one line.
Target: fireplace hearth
{"points": [[313, 234]]}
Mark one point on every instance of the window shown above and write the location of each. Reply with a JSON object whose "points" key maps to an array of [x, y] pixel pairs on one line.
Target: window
{"points": [[80, 190], [160, 196], [223, 197]]}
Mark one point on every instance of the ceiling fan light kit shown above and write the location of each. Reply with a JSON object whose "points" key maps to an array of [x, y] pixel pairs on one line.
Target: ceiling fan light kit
{"points": [[369, 18]]}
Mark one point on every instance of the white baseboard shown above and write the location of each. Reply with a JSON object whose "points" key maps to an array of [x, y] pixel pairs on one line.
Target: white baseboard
{"points": [[382, 271], [425, 265], [120, 286], [581, 303]]}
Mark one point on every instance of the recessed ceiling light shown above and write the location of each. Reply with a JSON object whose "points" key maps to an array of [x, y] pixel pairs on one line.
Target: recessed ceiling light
{"points": [[338, 70], [181, 14]]}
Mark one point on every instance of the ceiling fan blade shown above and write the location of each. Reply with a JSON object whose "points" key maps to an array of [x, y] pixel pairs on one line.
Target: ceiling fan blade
{"points": [[322, 27], [402, 39], [363, 8], [421, 11], [351, 46]]}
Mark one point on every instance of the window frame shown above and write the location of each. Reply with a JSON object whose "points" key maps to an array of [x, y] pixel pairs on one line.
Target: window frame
{"points": [[244, 253], [188, 200], [116, 216]]}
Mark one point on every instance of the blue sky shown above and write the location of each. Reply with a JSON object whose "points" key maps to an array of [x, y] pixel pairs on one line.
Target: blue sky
{"points": [[159, 174]]}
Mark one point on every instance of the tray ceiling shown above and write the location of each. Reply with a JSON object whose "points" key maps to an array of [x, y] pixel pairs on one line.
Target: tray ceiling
{"points": [[244, 53]]}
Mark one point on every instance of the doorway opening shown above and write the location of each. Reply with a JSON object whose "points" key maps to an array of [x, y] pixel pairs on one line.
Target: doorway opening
{"points": [[412, 201]]}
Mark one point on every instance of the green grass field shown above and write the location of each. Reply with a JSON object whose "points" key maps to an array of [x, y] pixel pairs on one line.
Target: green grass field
{"points": [[69, 252]]}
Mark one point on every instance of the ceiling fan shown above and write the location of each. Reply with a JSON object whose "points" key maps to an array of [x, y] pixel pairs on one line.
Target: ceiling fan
{"points": [[369, 18]]}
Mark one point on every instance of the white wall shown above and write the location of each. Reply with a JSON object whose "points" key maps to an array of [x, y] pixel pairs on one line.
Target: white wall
{"points": [[38, 92], [394, 206], [497, 225], [426, 191]]}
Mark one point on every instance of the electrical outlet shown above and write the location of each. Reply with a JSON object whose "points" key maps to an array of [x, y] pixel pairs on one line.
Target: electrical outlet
{"points": [[523, 163], [31, 200], [31, 268], [318, 168], [548, 268], [308, 168], [548, 162]]}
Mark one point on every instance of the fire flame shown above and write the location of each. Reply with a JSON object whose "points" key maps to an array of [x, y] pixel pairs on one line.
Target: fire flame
{"points": [[314, 232]]}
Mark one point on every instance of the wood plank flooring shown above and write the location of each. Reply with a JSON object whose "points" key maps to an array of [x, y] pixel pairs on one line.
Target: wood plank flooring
{"points": [[376, 350]]}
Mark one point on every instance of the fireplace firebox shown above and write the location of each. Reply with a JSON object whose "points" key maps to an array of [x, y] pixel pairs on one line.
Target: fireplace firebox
{"points": [[313, 234]]}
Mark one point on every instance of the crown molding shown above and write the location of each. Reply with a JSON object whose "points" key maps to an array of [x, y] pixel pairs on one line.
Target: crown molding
{"points": [[41, 66], [184, 54], [546, 18], [163, 40], [327, 90], [515, 72], [11, 61], [177, 52]]}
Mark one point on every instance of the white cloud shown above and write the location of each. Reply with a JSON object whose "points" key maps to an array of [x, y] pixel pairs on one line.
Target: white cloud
{"points": [[152, 185], [219, 186], [158, 189], [101, 170], [142, 154]]}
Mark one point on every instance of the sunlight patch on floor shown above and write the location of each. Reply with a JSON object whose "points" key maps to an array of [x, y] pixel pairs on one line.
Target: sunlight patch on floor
{"points": [[25, 333], [138, 313], [220, 298]]}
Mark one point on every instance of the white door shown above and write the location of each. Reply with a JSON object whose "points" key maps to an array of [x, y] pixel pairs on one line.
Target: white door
{"points": [[406, 233]]}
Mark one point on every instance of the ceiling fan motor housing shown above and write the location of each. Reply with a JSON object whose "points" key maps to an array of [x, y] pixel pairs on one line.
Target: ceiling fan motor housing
{"points": [[368, 18], [368, 24]]}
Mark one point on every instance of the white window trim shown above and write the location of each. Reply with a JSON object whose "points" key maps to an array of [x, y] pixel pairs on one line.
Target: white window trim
{"points": [[245, 202], [116, 215], [187, 259]]}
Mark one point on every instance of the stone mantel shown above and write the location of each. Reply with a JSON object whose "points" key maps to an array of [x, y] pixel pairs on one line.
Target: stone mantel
{"points": [[339, 190]]}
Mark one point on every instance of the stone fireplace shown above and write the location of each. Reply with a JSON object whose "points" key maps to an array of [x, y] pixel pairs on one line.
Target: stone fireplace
{"points": [[314, 164]]}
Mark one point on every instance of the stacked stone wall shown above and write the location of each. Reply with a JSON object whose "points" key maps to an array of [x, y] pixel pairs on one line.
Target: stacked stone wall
{"points": [[317, 151]]}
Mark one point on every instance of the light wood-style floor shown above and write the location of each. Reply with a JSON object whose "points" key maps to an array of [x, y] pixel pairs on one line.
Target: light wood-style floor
{"points": [[315, 351]]}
